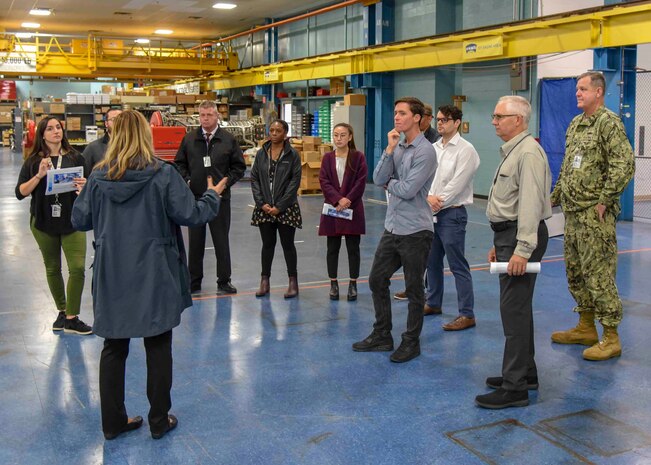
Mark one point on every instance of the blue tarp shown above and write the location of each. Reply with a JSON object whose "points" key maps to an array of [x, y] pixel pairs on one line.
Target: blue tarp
{"points": [[557, 108]]}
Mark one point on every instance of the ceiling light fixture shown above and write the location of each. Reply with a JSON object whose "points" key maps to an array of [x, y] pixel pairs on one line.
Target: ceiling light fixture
{"points": [[31, 25], [163, 31], [24, 35], [142, 41], [40, 12], [224, 6]]}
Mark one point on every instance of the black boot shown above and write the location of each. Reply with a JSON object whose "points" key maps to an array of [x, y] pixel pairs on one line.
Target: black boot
{"points": [[352, 291], [334, 289], [264, 287], [292, 289]]}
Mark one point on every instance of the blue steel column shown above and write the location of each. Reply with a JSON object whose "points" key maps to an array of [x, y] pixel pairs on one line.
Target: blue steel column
{"points": [[378, 29], [269, 55], [618, 66]]}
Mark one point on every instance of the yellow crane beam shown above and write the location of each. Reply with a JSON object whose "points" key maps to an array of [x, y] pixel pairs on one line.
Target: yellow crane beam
{"points": [[613, 26]]}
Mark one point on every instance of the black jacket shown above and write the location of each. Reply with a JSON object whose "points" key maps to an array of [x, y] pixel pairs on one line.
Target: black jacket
{"points": [[287, 179], [226, 159]]}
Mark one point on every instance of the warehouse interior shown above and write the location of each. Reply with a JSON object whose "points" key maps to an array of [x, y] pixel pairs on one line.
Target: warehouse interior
{"points": [[268, 381]]}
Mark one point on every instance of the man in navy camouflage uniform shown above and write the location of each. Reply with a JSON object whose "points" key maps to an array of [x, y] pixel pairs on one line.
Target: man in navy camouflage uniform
{"points": [[598, 165]]}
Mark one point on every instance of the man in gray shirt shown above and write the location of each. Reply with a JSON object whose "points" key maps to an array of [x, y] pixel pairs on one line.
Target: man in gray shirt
{"points": [[405, 170], [518, 204], [95, 151]]}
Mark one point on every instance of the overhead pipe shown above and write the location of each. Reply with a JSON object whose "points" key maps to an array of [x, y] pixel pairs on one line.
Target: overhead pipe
{"points": [[284, 21]]}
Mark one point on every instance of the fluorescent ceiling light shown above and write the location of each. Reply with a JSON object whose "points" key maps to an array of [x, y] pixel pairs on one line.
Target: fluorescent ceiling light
{"points": [[224, 6], [24, 35], [163, 31], [40, 12], [31, 25], [142, 41]]}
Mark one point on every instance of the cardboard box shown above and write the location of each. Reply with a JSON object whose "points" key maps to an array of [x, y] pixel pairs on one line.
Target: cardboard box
{"points": [[310, 156], [337, 86], [5, 117], [162, 92], [354, 99], [183, 99], [310, 147], [325, 148], [165, 100], [312, 140], [38, 108], [310, 175], [207, 96], [57, 108], [73, 123]]}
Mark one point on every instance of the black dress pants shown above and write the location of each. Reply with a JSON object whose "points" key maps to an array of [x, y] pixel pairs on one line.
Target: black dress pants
{"points": [[332, 255], [219, 230], [516, 297], [269, 233], [410, 252], [112, 367]]}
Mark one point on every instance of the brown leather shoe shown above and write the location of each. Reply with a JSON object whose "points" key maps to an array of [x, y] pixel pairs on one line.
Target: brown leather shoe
{"points": [[427, 310], [402, 295], [459, 323]]}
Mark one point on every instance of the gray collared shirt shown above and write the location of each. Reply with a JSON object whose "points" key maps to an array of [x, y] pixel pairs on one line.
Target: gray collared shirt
{"points": [[407, 175], [521, 190]]}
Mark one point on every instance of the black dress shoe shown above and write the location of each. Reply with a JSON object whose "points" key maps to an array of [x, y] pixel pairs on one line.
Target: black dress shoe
{"points": [[495, 382], [375, 342], [172, 423], [352, 291], [195, 288], [135, 423], [334, 289], [501, 398], [226, 288], [408, 350]]}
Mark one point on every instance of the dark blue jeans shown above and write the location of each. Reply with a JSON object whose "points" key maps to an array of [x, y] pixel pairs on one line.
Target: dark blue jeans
{"points": [[450, 240], [393, 251]]}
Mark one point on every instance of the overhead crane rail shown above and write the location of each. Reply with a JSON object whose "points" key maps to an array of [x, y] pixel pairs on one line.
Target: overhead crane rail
{"points": [[95, 56]]}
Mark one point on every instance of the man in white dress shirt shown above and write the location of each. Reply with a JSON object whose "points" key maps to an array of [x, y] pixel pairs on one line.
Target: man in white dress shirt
{"points": [[451, 191]]}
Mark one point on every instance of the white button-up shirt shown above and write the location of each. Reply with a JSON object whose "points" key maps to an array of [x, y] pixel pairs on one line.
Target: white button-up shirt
{"points": [[457, 164]]}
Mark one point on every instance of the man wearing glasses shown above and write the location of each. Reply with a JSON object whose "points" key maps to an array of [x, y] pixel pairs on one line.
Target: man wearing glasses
{"points": [[451, 191], [518, 204], [95, 151], [597, 167]]}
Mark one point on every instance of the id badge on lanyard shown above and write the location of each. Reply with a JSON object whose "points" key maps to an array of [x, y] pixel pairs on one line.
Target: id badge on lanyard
{"points": [[56, 206]]}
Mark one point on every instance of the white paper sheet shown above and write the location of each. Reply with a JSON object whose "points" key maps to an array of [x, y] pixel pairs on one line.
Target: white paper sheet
{"points": [[61, 180], [500, 267]]}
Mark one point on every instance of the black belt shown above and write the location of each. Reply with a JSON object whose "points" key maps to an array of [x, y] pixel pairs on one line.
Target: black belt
{"points": [[503, 225]]}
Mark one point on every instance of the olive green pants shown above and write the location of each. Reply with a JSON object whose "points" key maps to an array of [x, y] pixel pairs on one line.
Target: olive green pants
{"points": [[74, 248]]}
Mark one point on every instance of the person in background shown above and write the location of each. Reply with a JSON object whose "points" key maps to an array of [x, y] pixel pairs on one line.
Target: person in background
{"points": [[597, 167], [94, 152], [211, 151], [430, 133], [50, 222], [451, 191], [275, 179], [134, 204], [406, 171], [518, 204], [343, 181]]}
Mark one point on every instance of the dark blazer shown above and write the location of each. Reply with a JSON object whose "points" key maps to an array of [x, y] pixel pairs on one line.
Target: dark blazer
{"points": [[431, 134], [140, 280], [353, 188], [287, 179], [226, 159]]}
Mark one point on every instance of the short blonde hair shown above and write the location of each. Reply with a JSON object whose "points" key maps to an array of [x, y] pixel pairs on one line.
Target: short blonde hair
{"points": [[130, 146]]}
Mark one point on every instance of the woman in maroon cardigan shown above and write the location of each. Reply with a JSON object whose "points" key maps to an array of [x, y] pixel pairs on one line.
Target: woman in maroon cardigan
{"points": [[343, 180]]}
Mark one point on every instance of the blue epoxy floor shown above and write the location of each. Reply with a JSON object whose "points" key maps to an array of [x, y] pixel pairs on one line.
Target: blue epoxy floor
{"points": [[269, 381]]}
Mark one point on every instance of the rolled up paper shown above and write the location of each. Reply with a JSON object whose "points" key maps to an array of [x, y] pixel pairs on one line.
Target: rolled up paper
{"points": [[500, 267]]}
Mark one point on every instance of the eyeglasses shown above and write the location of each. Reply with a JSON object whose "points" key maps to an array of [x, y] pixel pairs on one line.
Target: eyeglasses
{"points": [[443, 120], [500, 117]]}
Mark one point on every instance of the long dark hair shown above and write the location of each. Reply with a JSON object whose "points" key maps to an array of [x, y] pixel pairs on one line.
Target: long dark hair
{"points": [[351, 143], [40, 147]]}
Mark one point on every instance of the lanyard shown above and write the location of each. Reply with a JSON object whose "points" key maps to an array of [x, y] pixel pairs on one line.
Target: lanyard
{"points": [[497, 173]]}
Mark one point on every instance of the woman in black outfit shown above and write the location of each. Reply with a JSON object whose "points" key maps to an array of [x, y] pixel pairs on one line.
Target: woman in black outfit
{"points": [[275, 178], [50, 222]]}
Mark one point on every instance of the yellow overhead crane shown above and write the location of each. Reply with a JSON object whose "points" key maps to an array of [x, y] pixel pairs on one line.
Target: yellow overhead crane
{"points": [[610, 26], [94, 56]]}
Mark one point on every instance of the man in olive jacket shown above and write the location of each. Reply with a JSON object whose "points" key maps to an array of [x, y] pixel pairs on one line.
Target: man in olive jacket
{"points": [[211, 151]]}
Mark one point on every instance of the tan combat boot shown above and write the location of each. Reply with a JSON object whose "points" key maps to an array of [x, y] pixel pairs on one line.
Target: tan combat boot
{"points": [[608, 347], [584, 333]]}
